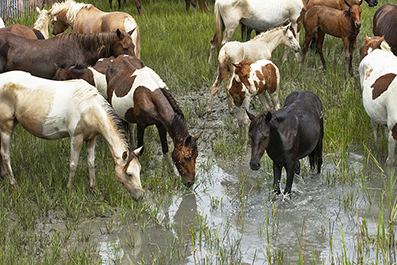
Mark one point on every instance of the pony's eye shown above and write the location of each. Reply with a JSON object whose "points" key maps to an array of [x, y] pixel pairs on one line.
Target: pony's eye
{"points": [[188, 159]]}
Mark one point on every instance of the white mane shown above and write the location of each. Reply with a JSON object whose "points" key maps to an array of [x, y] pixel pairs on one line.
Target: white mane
{"points": [[72, 9], [266, 33], [384, 46]]}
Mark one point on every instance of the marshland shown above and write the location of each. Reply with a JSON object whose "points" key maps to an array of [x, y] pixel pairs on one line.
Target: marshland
{"points": [[345, 215]]}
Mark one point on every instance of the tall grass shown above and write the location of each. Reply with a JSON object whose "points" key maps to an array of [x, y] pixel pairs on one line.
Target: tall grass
{"points": [[175, 43]]}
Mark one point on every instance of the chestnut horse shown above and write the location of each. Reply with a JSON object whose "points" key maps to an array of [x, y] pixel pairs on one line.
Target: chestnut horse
{"points": [[57, 109], [138, 95], [261, 47], [86, 18], [260, 15], [289, 134], [39, 57], [345, 24], [378, 71], [385, 24]]}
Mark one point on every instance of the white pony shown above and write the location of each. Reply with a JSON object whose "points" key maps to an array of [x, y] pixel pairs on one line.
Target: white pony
{"points": [[378, 71], [261, 47], [56, 109], [253, 79], [260, 15], [42, 23]]}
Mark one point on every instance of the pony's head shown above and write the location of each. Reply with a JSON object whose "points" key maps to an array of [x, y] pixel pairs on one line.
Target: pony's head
{"points": [[259, 132], [354, 12], [128, 172], [289, 39], [370, 44], [242, 71], [122, 45], [372, 3], [184, 157]]}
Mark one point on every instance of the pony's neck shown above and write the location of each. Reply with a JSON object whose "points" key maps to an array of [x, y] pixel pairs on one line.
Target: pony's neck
{"points": [[273, 39]]}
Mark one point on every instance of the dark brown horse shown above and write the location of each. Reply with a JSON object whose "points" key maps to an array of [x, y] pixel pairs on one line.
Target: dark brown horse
{"points": [[40, 56], [24, 31], [345, 24], [385, 24], [289, 134], [138, 95]]}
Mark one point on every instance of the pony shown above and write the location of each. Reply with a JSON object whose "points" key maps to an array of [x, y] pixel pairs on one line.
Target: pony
{"points": [[57, 109], [289, 134], [16, 51], [344, 24], [256, 14], [138, 95], [337, 4], [261, 47], [86, 18], [385, 24], [253, 79], [378, 71], [42, 23]]}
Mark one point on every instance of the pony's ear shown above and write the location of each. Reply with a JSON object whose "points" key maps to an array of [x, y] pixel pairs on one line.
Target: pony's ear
{"points": [[138, 151], [38, 10], [197, 136], [118, 32], [347, 4], [366, 38], [360, 2], [250, 116], [131, 31], [268, 116]]}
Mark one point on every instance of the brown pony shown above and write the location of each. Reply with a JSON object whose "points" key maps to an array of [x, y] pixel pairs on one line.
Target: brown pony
{"points": [[40, 56], [138, 95], [344, 24], [86, 18], [337, 4], [385, 24], [24, 31]]}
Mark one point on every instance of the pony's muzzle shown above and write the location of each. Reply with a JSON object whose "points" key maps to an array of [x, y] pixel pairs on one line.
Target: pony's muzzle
{"points": [[255, 165], [357, 25]]}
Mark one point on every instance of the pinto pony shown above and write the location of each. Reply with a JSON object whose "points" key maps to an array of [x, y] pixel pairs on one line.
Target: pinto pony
{"points": [[53, 110], [86, 18], [345, 24], [261, 47], [253, 79], [385, 24], [260, 15], [289, 134], [138, 95], [65, 49], [378, 71]]}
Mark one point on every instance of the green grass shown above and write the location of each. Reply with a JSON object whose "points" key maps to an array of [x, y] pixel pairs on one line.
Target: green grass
{"points": [[175, 43]]}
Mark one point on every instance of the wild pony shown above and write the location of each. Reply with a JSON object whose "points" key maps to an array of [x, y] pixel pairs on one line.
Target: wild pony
{"points": [[261, 47], [138, 95], [23, 31], [337, 4], [53, 110], [257, 14], [378, 71], [253, 79], [289, 134], [65, 49], [42, 23], [345, 24], [86, 18], [385, 24]]}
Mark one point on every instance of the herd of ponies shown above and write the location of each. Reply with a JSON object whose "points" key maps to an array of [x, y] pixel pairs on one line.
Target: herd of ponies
{"points": [[112, 86]]}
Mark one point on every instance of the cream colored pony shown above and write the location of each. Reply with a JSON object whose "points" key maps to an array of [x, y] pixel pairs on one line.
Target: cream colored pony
{"points": [[42, 23]]}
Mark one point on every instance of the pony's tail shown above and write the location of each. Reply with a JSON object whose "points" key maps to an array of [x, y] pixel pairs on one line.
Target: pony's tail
{"points": [[38, 34], [219, 27], [172, 102]]}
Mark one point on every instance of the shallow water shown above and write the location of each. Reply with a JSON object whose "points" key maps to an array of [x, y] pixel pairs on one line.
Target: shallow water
{"points": [[232, 210]]}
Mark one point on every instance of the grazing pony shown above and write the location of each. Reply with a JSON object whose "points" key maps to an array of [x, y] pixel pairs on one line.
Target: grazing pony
{"points": [[345, 24], [53, 110], [385, 24], [289, 134], [86, 18], [250, 79], [65, 49], [378, 71], [261, 47], [260, 15], [138, 95]]}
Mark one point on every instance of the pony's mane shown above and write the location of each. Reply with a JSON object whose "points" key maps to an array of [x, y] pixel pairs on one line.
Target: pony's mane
{"points": [[91, 41], [42, 20], [384, 46], [270, 31], [178, 122], [72, 9]]}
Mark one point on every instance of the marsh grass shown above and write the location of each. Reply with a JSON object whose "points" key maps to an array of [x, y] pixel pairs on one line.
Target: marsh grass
{"points": [[176, 44]]}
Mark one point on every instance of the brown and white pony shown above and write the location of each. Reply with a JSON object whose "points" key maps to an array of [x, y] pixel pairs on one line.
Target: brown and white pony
{"points": [[138, 95], [86, 18], [57, 109], [39, 57]]}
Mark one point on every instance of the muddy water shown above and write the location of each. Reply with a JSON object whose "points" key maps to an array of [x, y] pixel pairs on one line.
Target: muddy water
{"points": [[247, 221]]}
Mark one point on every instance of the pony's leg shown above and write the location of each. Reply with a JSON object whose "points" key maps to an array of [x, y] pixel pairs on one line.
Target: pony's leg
{"points": [[374, 129], [245, 118], [75, 148], [392, 145], [141, 131], [290, 168], [164, 146], [305, 47], [348, 57], [320, 41], [6, 158], [214, 90], [229, 101], [91, 161], [131, 128], [264, 100], [277, 175]]}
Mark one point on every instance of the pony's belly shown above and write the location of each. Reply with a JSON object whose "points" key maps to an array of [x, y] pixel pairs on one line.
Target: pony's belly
{"points": [[122, 105], [376, 109]]}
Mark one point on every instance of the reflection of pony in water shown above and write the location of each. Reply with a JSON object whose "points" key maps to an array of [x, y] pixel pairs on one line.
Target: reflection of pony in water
{"points": [[53, 110], [86, 18]]}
